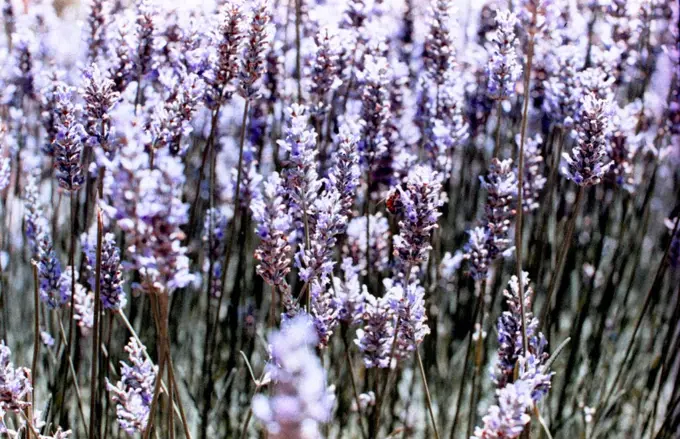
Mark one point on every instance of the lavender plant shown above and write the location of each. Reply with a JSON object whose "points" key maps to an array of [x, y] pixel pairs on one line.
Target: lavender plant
{"points": [[313, 201]]}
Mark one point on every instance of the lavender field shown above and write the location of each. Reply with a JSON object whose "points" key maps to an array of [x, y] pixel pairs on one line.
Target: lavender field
{"points": [[359, 219]]}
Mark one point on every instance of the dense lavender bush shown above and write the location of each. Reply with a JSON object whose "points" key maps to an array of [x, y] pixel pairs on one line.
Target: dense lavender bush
{"points": [[318, 219]]}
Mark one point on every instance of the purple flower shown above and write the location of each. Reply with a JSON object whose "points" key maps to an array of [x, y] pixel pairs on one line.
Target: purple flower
{"points": [[345, 173], [324, 74], [15, 384], [133, 394], [300, 174], [254, 55], [477, 252], [504, 67], [273, 228], [534, 180], [324, 311], [49, 273], [562, 89], [111, 282], [5, 168], [350, 294], [215, 239], [34, 217], [83, 304], [587, 163], [100, 97], [299, 400], [507, 418], [420, 200], [97, 23], [408, 303], [316, 262], [501, 186], [67, 143], [375, 338], [375, 110], [510, 333], [229, 35], [439, 50]]}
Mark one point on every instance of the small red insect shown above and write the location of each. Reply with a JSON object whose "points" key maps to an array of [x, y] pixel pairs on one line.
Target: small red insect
{"points": [[393, 202]]}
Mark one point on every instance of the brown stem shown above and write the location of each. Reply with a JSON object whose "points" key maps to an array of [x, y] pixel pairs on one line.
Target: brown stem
{"points": [[96, 348]]}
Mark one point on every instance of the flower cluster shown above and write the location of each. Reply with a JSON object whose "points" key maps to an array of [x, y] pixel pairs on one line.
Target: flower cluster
{"points": [[587, 163], [134, 392], [375, 338], [504, 67], [256, 45], [501, 186], [15, 384], [299, 400], [420, 200], [408, 303], [111, 275], [67, 142]]}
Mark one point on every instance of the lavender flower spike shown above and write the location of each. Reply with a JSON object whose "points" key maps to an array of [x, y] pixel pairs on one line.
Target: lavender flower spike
{"points": [[256, 46], [15, 384], [409, 304], [504, 67], [300, 399], [421, 200], [67, 144], [100, 97], [375, 338], [111, 289], [134, 392], [345, 173], [439, 48], [477, 252], [229, 36], [500, 184], [586, 165], [507, 419]]}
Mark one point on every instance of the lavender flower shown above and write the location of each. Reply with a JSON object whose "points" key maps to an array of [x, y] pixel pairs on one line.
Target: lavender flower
{"points": [[97, 23], [122, 69], [67, 143], [173, 118], [534, 180], [324, 309], [586, 165], [350, 294], [254, 56], [504, 67], [214, 235], [83, 304], [145, 29], [375, 109], [421, 200], [507, 419], [111, 290], [510, 333], [273, 228], [15, 384], [49, 273], [317, 260], [500, 184], [345, 174], [133, 394], [100, 97], [324, 75], [562, 89], [439, 48], [302, 182], [34, 217], [375, 338], [477, 252], [300, 400], [229, 35], [409, 304]]}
